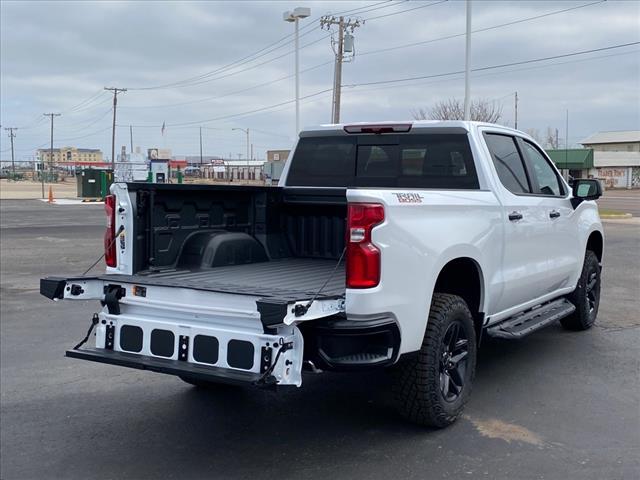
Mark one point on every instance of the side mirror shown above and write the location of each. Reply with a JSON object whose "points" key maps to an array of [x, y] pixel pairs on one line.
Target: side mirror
{"points": [[570, 180], [585, 189]]}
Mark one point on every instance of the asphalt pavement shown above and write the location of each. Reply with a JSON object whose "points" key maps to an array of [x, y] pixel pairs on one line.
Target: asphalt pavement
{"points": [[555, 405], [627, 201]]}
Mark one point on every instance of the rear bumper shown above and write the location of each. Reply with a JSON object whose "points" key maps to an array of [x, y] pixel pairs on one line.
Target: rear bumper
{"points": [[171, 367], [355, 343]]}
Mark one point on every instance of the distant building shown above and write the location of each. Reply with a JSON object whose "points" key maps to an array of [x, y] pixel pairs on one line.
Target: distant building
{"points": [[612, 157], [194, 160], [277, 155], [65, 156]]}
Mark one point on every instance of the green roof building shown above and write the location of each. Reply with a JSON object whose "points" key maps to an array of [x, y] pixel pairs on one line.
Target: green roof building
{"points": [[572, 158]]}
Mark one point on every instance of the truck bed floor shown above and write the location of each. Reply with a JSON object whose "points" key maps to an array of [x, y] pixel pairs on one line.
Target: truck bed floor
{"points": [[289, 278]]}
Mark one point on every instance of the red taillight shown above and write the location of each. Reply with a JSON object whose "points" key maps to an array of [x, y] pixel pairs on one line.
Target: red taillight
{"points": [[363, 257], [110, 233]]}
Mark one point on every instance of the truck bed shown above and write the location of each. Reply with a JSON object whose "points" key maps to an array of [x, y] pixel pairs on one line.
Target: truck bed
{"points": [[287, 278]]}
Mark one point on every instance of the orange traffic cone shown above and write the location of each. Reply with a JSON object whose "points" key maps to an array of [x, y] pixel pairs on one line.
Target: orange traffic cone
{"points": [[51, 200]]}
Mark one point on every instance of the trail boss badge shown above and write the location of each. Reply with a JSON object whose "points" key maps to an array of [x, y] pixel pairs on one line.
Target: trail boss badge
{"points": [[408, 197]]}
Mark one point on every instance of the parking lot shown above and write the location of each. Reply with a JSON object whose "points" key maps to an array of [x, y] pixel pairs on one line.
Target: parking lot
{"points": [[554, 405]]}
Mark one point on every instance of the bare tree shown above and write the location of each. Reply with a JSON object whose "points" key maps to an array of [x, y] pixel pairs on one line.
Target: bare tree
{"points": [[535, 134], [482, 110], [552, 140], [549, 140]]}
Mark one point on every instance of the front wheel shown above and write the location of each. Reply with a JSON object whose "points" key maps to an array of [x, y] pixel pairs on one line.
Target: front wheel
{"points": [[432, 388], [586, 296]]}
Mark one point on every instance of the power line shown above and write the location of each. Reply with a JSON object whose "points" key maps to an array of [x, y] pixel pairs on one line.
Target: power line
{"points": [[206, 77], [85, 101], [479, 30], [479, 69], [289, 102], [235, 92], [404, 11], [383, 50]]}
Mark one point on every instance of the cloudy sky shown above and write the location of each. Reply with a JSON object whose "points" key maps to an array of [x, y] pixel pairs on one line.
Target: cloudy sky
{"points": [[225, 65]]}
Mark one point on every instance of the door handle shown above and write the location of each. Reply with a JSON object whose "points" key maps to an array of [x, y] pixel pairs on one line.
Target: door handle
{"points": [[554, 214], [513, 216]]}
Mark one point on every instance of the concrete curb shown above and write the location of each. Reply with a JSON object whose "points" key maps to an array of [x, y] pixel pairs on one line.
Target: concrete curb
{"points": [[616, 216]]}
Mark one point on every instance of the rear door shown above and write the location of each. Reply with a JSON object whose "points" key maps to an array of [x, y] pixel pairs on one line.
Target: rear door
{"points": [[526, 240], [552, 196]]}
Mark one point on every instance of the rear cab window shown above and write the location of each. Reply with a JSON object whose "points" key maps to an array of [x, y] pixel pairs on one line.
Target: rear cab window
{"points": [[441, 161]]}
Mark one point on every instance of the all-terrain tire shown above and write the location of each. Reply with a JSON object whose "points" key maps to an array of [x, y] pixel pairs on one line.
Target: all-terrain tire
{"points": [[419, 384], [586, 296]]}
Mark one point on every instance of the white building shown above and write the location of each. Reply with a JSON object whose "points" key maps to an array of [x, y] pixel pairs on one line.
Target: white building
{"points": [[616, 157]]}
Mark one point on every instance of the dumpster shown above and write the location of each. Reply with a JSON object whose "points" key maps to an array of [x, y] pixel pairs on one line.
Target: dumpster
{"points": [[94, 183]]}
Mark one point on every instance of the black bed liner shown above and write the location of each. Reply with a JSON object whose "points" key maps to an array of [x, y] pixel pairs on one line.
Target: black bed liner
{"points": [[287, 278]]}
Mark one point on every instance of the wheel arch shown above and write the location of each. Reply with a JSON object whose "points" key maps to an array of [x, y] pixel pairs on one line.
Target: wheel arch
{"points": [[463, 276], [595, 243]]}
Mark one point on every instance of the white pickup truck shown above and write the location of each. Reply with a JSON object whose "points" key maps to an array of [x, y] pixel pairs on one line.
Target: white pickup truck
{"points": [[385, 245]]}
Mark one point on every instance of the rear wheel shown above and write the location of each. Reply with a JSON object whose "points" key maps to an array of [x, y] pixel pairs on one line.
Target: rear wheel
{"points": [[586, 296], [432, 388]]}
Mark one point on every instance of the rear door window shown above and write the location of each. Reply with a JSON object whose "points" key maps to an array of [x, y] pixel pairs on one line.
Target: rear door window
{"points": [[402, 161], [508, 162]]}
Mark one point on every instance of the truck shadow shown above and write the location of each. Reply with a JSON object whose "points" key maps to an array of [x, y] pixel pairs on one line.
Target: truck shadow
{"points": [[235, 429]]}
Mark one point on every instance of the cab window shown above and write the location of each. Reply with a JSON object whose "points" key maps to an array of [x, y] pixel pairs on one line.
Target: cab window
{"points": [[508, 163], [544, 174]]}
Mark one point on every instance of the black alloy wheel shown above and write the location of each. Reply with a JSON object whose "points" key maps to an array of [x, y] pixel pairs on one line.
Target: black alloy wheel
{"points": [[453, 362]]}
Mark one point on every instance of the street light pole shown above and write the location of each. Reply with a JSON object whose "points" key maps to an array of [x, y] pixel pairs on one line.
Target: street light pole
{"points": [[467, 66], [295, 16]]}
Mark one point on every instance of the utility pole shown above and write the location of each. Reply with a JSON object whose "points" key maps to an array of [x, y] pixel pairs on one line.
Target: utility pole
{"points": [[131, 136], [326, 22], [557, 140], [51, 115], [115, 91], [467, 66], [516, 108], [11, 136], [200, 146]]}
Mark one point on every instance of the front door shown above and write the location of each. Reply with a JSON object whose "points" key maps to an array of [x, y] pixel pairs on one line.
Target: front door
{"points": [[562, 235], [523, 275]]}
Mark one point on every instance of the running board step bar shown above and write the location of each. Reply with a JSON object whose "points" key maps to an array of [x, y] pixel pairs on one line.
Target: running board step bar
{"points": [[529, 322]]}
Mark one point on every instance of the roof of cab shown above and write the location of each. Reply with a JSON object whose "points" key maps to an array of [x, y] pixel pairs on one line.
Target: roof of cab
{"points": [[458, 125]]}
